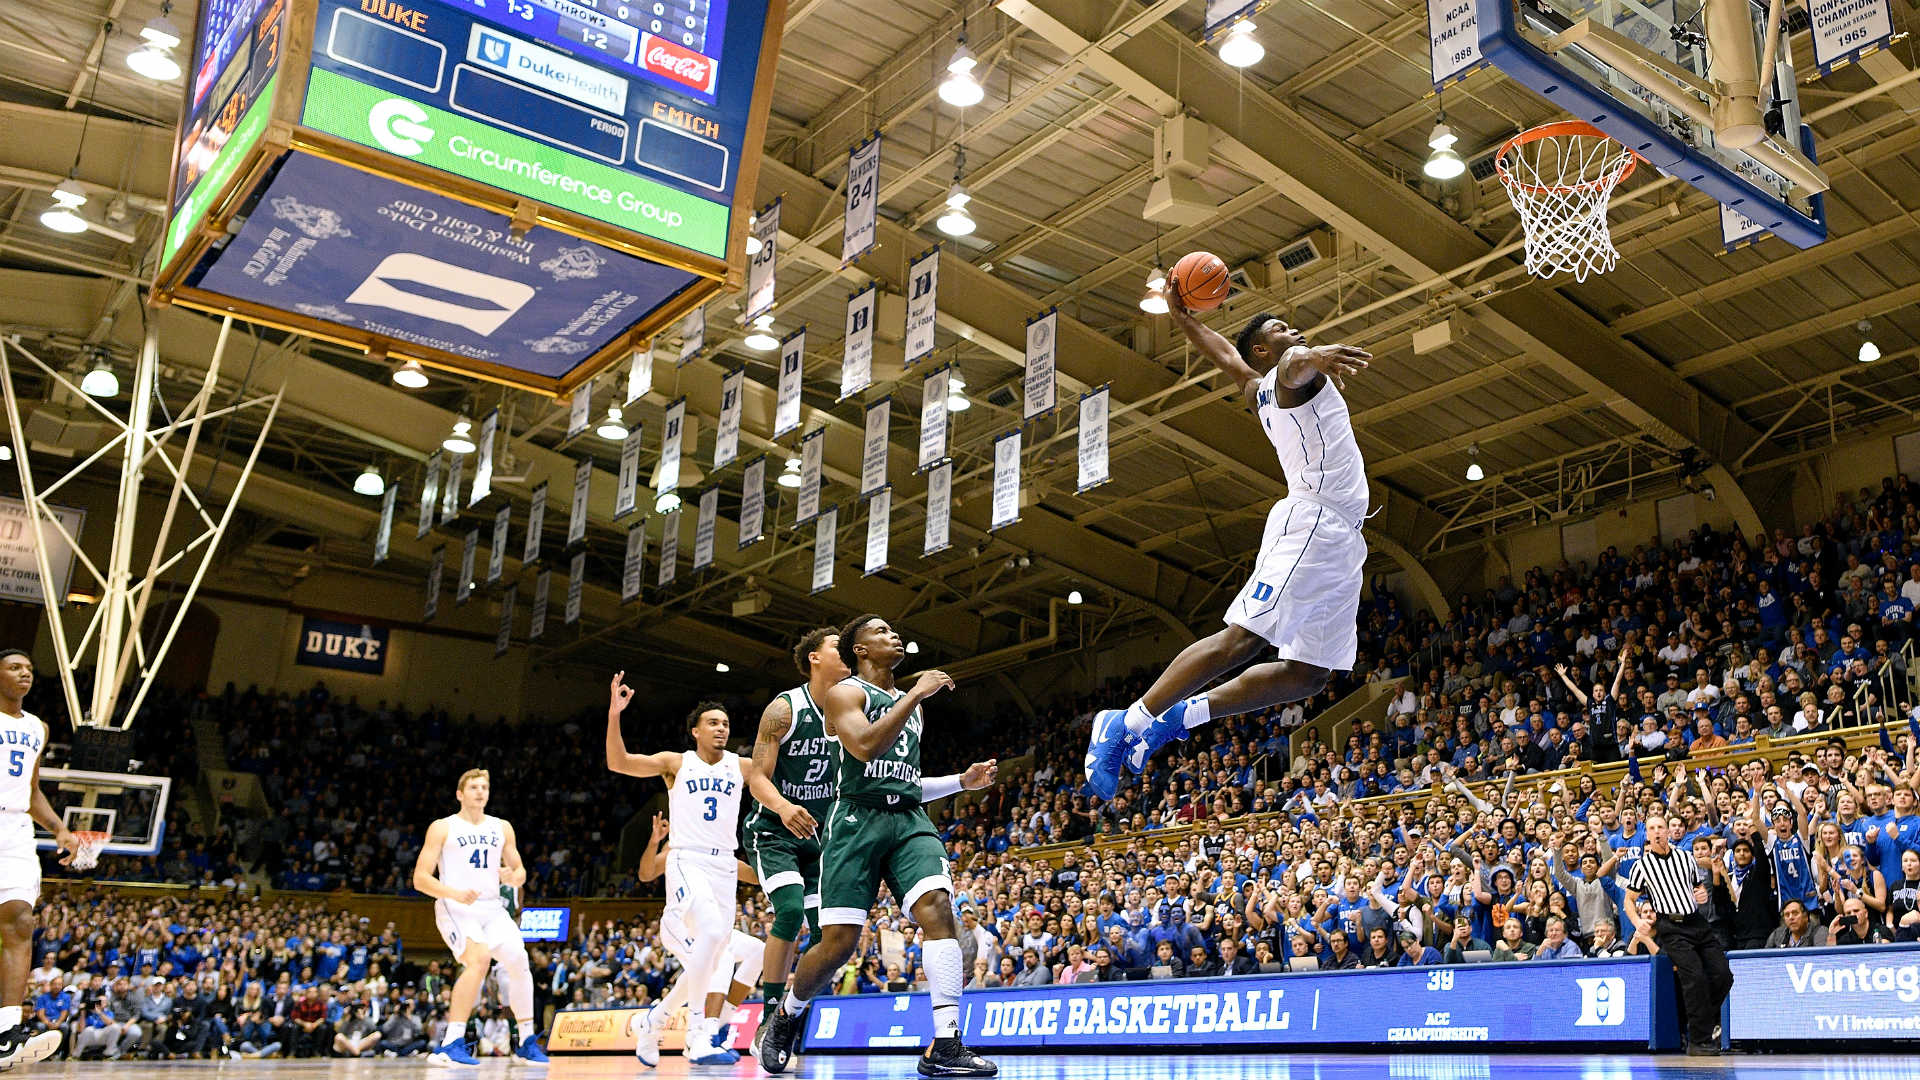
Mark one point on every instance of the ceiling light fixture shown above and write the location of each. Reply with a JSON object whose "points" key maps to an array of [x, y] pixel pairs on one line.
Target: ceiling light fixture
{"points": [[1474, 472], [1869, 352], [611, 426], [459, 442], [1444, 163], [762, 339], [722, 667], [913, 648], [410, 375], [1240, 48], [1155, 301], [6, 452], [956, 393], [958, 220], [960, 89], [1074, 597], [753, 242], [100, 381], [154, 58], [791, 477], [666, 502], [369, 482], [64, 215]]}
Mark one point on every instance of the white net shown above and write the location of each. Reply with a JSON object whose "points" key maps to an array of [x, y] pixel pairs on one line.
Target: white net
{"points": [[86, 855], [1561, 178]]}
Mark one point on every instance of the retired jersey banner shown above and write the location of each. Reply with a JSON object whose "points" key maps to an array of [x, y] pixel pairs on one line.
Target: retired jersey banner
{"points": [[436, 569], [812, 454], [503, 638], [873, 454], [483, 467], [753, 500], [633, 566], [577, 513], [385, 533], [824, 529], [939, 507], [863, 200], [1093, 437], [580, 410], [536, 523], [726, 437], [450, 491], [429, 493], [463, 588], [1037, 388], [879, 527], [856, 364], [537, 618], [497, 554], [693, 334], [668, 478], [669, 546], [933, 417], [576, 582], [640, 374], [1006, 480], [923, 284], [786, 402], [624, 492], [760, 277], [703, 525]]}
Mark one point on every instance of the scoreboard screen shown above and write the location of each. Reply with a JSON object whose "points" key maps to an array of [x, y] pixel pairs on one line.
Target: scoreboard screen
{"points": [[237, 50], [675, 43]]}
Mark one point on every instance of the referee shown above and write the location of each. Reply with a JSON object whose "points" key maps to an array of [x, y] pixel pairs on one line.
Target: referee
{"points": [[1676, 885]]}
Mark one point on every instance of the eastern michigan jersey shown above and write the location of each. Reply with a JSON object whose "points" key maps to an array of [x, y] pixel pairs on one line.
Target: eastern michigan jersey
{"points": [[470, 859], [804, 769], [21, 739], [892, 778], [1315, 442], [703, 805]]}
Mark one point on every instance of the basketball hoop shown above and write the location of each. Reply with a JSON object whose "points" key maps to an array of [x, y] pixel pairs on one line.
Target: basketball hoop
{"points": [[86, 853], [1560, 177]]}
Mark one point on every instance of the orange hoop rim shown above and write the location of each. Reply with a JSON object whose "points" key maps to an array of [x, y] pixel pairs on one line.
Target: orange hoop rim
{"points": [[1562, 129]]}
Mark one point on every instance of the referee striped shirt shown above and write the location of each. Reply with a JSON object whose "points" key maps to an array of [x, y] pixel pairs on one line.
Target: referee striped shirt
{"points": [[1667, 881]]}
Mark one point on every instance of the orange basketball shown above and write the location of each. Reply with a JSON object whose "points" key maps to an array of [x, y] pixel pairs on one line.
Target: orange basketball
{"points": [[1200, 281]]}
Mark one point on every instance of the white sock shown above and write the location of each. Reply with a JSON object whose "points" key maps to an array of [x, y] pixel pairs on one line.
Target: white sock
{"points": [[454, 1035], [1199, 711], [9, 1017], [524, 1028], [1138, 718], [946, 974], [795, 1004]]}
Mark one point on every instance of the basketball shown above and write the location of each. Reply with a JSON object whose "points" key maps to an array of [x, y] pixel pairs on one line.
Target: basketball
{"points": [[1200, 281]]}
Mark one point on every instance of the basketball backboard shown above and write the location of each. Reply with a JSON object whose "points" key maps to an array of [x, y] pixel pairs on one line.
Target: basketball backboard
{"points": [[1682, 85], [130, 808]]}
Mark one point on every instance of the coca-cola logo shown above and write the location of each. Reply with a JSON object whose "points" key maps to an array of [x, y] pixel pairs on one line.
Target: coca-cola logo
{"points": [[679, 64]]}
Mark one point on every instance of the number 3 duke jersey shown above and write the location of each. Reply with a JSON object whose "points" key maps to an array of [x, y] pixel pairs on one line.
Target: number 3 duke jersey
{"points": [[703, 804]]}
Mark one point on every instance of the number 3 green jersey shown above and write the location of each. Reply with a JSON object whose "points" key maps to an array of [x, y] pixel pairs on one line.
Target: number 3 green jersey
{"points": [[892, 778], [804, 769]]}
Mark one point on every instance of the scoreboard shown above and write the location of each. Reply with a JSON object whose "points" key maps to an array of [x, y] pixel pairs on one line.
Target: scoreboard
{"points": [[648, 38]]}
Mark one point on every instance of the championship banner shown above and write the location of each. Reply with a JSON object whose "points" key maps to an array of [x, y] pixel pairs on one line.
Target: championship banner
{"points": [[812, 454], [463, 588], [693, 334], [623, 491], [636, 559], [668, 478], [1846, 30], [640, 374], [863, 200], [450, 491], [580, 409], [503, 640], [873, 453], [576, 580], [436, 569], [703, 528], [923, 278], [786, 403], [497, 554], [753, 501], [483, 468], [537, 621], [429, 493], [766, 229], [1038, 386], [536, 523], [933, 417], [726, 438], [824, 528], [939, 507], [856, 364], [1453, 41], [381, 537], [1006, 480], [879, 524], [1093, 437], [577, 513], [669, 546]]}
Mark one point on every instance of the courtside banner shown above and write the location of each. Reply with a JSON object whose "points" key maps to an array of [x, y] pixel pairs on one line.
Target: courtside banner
{"points": [[1853, 994], [544, 923], [1626, 1003], [609, 1031]]}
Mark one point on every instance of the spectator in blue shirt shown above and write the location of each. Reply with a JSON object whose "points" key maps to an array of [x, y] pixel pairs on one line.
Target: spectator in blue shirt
{"points": [[1414, 954], [1558, 946]]}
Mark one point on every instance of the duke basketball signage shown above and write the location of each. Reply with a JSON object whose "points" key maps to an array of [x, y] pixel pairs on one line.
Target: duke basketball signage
{"points": [[357, 647]]}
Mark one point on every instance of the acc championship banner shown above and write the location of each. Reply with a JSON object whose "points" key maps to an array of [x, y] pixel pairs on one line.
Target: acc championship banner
{"points": [[669, 546], [1822, 995], [726, 438], [693, 334], [19, 571], [450, 491], [429, 494], [610, 1031], [577, 513], [576, 580], [503, 638], [812, 453], [382, 538], [703, 524], [497, 554], [483, 468], [537, 618], [766, 229], [358, 647], [1846, 30], [863, 199], [856, 365], [753, 501], [824, 529], [436, 569], [623, 490], [786, 402], [1038, 385], [873, 455], [669, 476], [924, 283], [939, 507], [1453, 39], [1006, 479], [640, 374], [580, 409], [463, 588], [536, 521], [1093, 437], [933, 417], [879, 522], [545, 923], [1627, 1003], [635, 561]]}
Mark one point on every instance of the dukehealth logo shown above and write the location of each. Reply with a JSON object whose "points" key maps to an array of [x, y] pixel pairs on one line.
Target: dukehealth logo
{"points": [[549, 70], [1603, 1002], [682, 65]]}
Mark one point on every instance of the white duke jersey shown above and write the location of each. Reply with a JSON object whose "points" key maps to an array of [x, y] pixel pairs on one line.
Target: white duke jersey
{"points": [[470, 859], [21, 739], [1317, 450], [703, 805]]}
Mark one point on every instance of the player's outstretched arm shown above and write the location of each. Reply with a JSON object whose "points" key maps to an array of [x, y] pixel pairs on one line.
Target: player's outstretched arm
{"points": [[1216, 348], [847, 715], [653, 861], [429, 859], [791, 814], [980, 774], [42, 811], [664, 763]]}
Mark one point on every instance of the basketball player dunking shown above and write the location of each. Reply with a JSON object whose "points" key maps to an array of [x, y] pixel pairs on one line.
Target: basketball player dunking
{"points": [[22, 737], [479, 870], [1304, 595], [703, 810]]}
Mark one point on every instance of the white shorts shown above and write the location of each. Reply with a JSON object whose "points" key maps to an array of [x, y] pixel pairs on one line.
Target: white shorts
{"points": [[696, 884], [1304, 595], [19, 860], [463, 924]]}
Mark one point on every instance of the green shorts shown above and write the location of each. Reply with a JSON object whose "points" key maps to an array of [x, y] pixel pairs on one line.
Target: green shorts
{"points": [[863, 846], [780, 859]]}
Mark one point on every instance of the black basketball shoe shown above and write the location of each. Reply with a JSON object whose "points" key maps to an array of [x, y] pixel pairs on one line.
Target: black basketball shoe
{"points": [[774, 1046], [950, 1057]]}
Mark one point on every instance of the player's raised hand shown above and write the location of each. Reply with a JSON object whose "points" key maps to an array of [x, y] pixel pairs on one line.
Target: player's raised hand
{"points": [[1337, 362], [798, 821], [621, 692], [931, 682], [659, 828], [980, 774]]}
